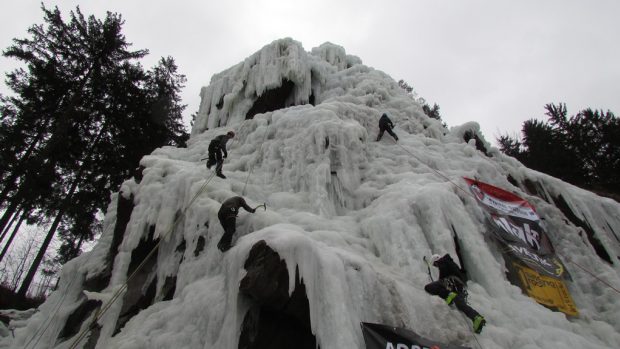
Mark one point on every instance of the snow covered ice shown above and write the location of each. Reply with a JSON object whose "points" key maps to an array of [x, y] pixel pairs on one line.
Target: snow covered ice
{"points": [[353, 217]]}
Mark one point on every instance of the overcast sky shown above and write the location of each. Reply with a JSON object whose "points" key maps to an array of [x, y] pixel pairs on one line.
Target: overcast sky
{"points": [[495, 62]]}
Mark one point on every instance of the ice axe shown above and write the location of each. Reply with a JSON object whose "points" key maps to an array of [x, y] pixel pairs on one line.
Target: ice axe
{"points": [[264, 205], [428, 266]]}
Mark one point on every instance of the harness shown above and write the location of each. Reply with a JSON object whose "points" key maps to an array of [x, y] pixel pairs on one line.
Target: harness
{"points": [[455, 284]]}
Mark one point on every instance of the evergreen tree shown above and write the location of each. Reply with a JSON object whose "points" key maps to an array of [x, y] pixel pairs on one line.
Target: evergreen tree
{"points": [[583, 149], [83, 114], [431, 112], [405, 86]]}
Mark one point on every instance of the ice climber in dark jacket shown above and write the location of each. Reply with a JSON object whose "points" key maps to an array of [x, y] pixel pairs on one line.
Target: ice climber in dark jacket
{"points": [[217, 148], [385, 124], [451, 288], [228, 219]]}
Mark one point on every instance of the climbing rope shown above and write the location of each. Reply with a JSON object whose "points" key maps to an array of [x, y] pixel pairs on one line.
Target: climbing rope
{"points": [[592, 274], [472, 195], [252, 167], [466, 324], [434, 170], [473, 334], [439, 173], [119, 291], [47, 322]]}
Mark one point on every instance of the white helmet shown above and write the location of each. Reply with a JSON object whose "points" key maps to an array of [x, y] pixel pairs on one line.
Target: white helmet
{"points": [[434, 258]]}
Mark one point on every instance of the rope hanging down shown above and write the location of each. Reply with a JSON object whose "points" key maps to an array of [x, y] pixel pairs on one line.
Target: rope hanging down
{"points": [[594, 276], [118, 292], [252, 168], [428, 265], [48, 321], [45, 325], [434, 170], [472, 195]]}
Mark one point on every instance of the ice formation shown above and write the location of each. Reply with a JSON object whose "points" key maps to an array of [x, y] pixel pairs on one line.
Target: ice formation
{"points": [[350, 217]]}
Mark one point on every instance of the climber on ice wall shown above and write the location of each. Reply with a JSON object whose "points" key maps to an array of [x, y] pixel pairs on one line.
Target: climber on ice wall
{"points": [[385, 124], [228, 218], [451, 288], [217, 148]]}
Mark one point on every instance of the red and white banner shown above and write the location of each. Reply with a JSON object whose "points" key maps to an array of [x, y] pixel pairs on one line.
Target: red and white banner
{"points": [[502, 201], [514, 222]]}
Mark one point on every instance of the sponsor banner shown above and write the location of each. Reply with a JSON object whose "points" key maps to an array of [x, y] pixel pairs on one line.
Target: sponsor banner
{"points": [[501, 201], [520, 231], [514, 222], [379, 336], [548, 265], [545, 290]]}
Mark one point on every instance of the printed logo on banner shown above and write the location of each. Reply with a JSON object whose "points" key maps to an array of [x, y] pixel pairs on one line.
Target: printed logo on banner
{"points": [[518, 208], [526, 232], [546, 290], [544, 264], [514, 222]]}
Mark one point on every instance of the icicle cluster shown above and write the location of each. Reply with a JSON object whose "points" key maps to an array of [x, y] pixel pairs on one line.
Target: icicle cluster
{"points": [[351, 217]]}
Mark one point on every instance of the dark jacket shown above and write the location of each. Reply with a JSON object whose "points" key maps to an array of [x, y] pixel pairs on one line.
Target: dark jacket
{"points": [[219, 142], [447, 267], [385, 122], [230, 207]]}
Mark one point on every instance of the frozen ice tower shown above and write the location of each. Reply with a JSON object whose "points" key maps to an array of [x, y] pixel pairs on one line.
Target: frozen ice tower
{"points": [[347, 223]]}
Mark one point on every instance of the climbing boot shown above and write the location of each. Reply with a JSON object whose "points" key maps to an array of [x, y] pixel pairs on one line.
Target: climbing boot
{"points": [[451, 297], [479, 323], [219, 174]]}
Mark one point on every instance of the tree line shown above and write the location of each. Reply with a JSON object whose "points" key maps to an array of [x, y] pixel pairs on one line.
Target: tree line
{"points": [[82, 113], [583, 149], [431, 112]]}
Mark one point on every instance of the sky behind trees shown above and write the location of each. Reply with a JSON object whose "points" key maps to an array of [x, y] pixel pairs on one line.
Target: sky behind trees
{"points": [[494, 62]]}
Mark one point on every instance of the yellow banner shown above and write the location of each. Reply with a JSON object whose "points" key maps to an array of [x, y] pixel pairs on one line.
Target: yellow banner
{"points": [[546, 290]]}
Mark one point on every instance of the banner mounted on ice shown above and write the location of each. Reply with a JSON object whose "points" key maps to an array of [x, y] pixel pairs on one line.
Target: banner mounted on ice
{"points": [[515, 223], [528, 252], [379, 336], [546, 290]]}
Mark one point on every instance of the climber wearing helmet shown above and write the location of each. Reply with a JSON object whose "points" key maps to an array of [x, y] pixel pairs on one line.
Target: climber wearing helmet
{"points": [[451, 288], [385, 124], [217, 147]]}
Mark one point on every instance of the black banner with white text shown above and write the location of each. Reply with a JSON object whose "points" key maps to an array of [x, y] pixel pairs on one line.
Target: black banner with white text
{"points": [[514, 223], [379, 336]]}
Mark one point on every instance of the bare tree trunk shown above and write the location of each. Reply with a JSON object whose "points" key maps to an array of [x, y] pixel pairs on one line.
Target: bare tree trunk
{"points": [[8, 226], [8, 214], [65, 203], [20, 269], [45, 285], [10, 240]]}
